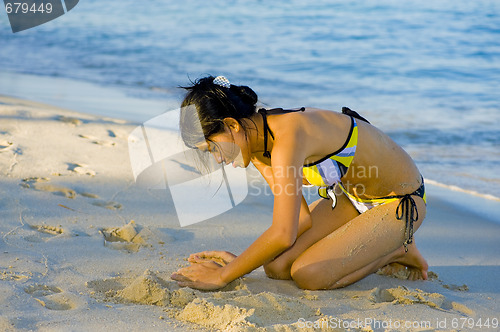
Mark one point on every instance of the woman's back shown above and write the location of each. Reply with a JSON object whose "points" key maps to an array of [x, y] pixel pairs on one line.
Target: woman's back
{"points": [[372, 172]]}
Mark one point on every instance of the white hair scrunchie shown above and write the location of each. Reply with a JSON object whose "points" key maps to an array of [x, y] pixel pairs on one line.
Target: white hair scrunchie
{"points": [[222, 81]]}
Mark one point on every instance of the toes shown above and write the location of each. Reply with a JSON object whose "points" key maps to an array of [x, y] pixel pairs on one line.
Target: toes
{"points": [[392, 269], [385, 270], [388, 269], [417, 275]]}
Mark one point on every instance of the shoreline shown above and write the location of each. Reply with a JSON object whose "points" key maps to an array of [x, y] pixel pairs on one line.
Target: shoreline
{"points": [[87, 97], [73, 259], [462, 190], [486, 206]]}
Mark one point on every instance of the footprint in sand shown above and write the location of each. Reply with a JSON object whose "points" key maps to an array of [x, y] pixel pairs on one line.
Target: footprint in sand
{"points": [[107, 204], [44, 233], [42, 290], [69, 120], [459, 288], [40, 184], [52, 297], [53, 230], [88, 195], [117, 134], [5, 145], [80, 169], [10, 275], [97, 140]]}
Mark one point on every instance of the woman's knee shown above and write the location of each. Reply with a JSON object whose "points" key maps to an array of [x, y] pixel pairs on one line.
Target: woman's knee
{"points": [[311, 276], [278, 269]]}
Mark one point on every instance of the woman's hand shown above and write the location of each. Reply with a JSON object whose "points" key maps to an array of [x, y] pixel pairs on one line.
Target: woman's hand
{"points": [[200, 275], [220, 257]]}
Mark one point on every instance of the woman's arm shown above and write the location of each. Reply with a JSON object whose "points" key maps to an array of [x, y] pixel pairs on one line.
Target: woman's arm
{"points": [[305, 221], [286, 184]]}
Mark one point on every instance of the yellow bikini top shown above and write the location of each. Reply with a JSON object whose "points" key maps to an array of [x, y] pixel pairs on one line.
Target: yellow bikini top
{"points": [[328, 170]]}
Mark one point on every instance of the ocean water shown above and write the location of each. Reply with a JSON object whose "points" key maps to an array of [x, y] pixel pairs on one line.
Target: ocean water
{"points": [[425, 72]]}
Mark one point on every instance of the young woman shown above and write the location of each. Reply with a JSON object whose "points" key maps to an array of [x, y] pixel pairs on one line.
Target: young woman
{"points": [[373, 193]]}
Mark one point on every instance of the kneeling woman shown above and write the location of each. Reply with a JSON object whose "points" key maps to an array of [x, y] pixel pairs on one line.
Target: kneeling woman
{"points": [[373, 193]]}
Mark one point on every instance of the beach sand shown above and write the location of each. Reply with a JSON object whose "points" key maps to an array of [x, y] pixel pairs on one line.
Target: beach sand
{"points": [[83, 248]]}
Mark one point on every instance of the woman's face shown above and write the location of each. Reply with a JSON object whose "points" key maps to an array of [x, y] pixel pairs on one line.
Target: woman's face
{"points": [[228, 147]]}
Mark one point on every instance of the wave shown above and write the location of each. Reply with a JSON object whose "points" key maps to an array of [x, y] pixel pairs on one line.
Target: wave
{"points": [[467, 191]]}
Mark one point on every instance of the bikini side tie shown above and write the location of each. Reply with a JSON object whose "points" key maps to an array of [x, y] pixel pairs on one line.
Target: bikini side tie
{"points": [[407, 208]]}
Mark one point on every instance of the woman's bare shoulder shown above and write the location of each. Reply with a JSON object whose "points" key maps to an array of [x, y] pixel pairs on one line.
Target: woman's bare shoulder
{"points": [[311, 117], [317, 131]]}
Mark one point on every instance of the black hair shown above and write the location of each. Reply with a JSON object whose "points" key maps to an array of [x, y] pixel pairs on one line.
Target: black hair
{"points": [[204, 109], [213, 103]]}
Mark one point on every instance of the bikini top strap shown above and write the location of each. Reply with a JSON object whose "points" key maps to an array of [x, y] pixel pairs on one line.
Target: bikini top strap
{"points": [[281, 110], [353, 114], [264, 112]]}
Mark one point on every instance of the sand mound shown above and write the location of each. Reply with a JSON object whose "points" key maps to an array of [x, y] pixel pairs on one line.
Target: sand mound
{"points": [[236, 308], [129, 237], [213, 315], [223, 310], [147, 289], [253, 310], [403, 295]]}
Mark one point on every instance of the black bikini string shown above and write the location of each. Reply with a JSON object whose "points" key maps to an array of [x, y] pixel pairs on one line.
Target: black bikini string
{"points": [[407, 209], [266, 153], [264, 112]]}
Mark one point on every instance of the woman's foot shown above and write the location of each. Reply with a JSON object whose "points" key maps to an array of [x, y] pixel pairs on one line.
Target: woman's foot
{"points": [[411, 265]]}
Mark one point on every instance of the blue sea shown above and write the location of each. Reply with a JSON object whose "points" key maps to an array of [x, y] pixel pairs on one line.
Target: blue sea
{"points": [[425, 72]]}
